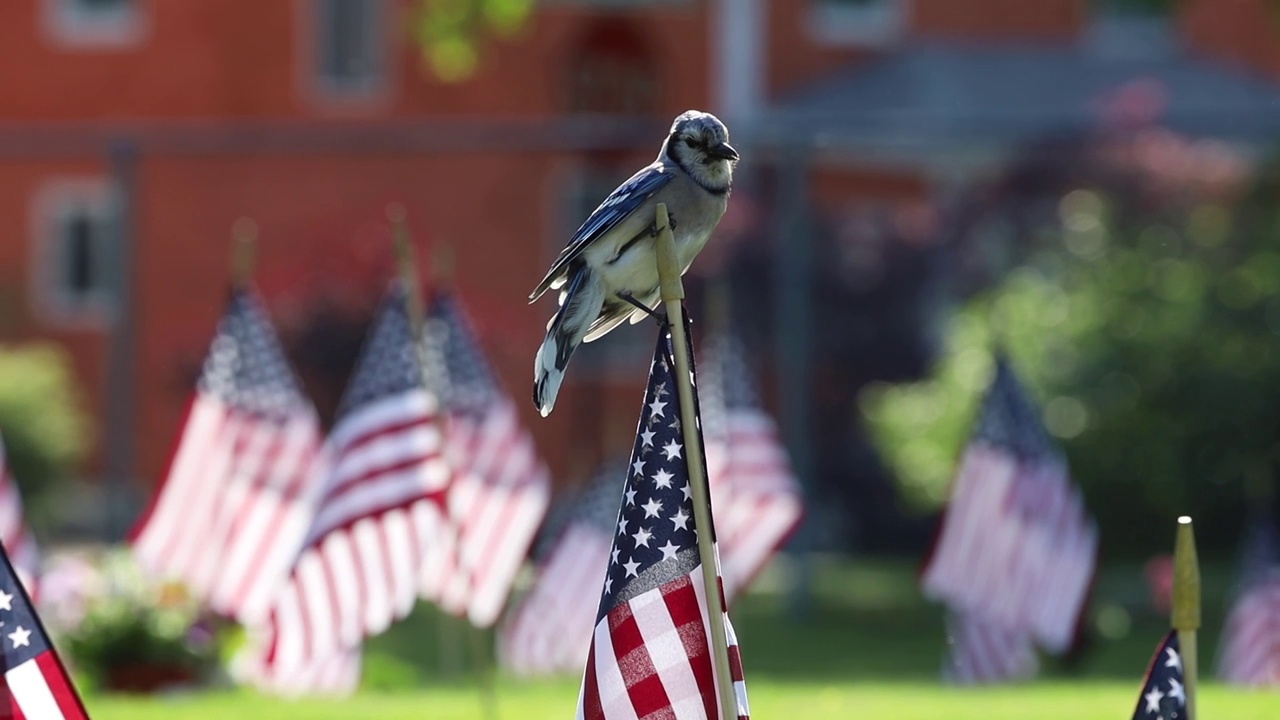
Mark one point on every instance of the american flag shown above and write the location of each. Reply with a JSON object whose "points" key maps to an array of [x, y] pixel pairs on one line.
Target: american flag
{"points": [[1016, 543], [1163, 695], [981, 653], [1250, 650], [500, 488], [37, 686], [757, 499], [14, 532], [650, 650], [381, 508], [549, 630], [758, 506], [232, 511]]}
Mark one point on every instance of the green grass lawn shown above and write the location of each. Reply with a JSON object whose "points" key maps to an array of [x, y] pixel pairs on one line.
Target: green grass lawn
{"points": [[869, 647]]}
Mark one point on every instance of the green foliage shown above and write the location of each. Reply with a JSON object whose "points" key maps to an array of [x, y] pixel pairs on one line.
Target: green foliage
{"points": [[1152, 348], [45, 428], [449, 31]]}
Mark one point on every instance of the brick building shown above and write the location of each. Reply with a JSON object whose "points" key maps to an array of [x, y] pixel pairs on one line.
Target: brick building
{"points": [[143, 129]]}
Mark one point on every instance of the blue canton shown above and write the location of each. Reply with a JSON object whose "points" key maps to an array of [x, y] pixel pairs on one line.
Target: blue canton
{"points": [[388, 365], [1163, 695], [654, 537], [246, 366], [21, 634], [456, 368]]}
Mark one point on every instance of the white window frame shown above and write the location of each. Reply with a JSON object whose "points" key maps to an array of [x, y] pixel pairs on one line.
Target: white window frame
{"points": [[879, 24], [321, 92], [52, 207], [71, 25]]}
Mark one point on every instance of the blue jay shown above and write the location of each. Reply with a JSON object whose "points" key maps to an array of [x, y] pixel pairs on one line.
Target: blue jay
{"points": [[608, 272]]}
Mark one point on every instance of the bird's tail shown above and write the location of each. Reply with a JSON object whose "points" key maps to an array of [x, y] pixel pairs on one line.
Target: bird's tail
{"points": [[580, 304]]}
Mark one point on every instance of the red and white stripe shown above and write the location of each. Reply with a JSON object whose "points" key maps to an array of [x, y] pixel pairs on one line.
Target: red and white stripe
{"points": [[982, 652], [1250, 653], [14, 533], [360, 569], [757, 500], [41, 690], [235, 505], [650, 657], [499, 494], [550, 630], [1024, 571]]}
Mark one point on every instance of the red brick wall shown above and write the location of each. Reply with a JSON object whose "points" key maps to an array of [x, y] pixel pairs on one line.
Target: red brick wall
{"points": [[240, 58], [1246, 32]]}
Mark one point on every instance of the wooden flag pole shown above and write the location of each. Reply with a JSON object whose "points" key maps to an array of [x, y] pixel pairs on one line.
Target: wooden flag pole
{"points": [[672, 293], [244, 233], [1186, 606], [407, 269]]}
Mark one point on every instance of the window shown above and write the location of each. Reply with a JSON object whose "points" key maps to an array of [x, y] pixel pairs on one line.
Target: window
{"points": [[858, 22], [75, 236], [350, 49], [94, 24]]}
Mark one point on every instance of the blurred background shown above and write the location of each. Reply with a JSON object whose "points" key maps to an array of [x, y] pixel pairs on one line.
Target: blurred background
{"points": [[1088, 184]]}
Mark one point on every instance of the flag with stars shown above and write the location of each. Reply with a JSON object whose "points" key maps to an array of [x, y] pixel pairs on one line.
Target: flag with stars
{"points": [[235, 504], [757, 498], [381, 507], [500, 487], [1016, 544], [1250, 650], [1163, 696], [38, 685], [550, 628], [650, 653]]}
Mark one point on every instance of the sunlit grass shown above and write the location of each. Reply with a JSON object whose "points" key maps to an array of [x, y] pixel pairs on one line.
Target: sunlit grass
{"points": [[869, 647]]}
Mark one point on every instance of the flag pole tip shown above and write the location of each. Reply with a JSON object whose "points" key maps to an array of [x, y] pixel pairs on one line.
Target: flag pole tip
{"points": [[244, 229]]}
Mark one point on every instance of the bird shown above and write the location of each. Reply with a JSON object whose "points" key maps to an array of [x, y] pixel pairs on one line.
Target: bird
{"points": [[608, 271]]}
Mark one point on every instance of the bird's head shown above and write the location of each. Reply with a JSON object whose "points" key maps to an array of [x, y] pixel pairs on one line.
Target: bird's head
{"points": [[699, 144]]}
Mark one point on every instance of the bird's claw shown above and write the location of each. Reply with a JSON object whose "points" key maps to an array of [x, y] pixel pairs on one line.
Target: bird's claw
{"points": [[654, 229], [631, 300]]}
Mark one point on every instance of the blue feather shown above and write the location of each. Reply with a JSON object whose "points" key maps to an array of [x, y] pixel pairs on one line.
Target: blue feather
{"points": [[626, 199]]}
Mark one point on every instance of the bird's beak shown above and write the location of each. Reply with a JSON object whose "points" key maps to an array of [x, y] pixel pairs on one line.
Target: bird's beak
{"points": [[724, 151]]}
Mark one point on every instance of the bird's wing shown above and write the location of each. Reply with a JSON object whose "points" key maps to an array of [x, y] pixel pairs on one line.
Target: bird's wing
{"points": [[629, 197]]}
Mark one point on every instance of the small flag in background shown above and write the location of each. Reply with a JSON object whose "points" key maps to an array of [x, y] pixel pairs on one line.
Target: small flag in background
{"points": [[1250, 650], [14, 532], [1016, 543], [382, 506], [500, 487], [1163, 696], [650, 652], [981, 653], [232, 511], [550, 629], [37, 683], [757, 498]]}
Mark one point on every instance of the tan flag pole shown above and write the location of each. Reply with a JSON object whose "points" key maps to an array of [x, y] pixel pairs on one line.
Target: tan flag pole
{"points": [[1186, 606], [244, 235], [672, 294]]}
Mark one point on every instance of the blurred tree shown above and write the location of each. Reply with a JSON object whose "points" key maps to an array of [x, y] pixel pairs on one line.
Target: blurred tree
{"points": [[1145, 316], [449, 31], [45, 428]]}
